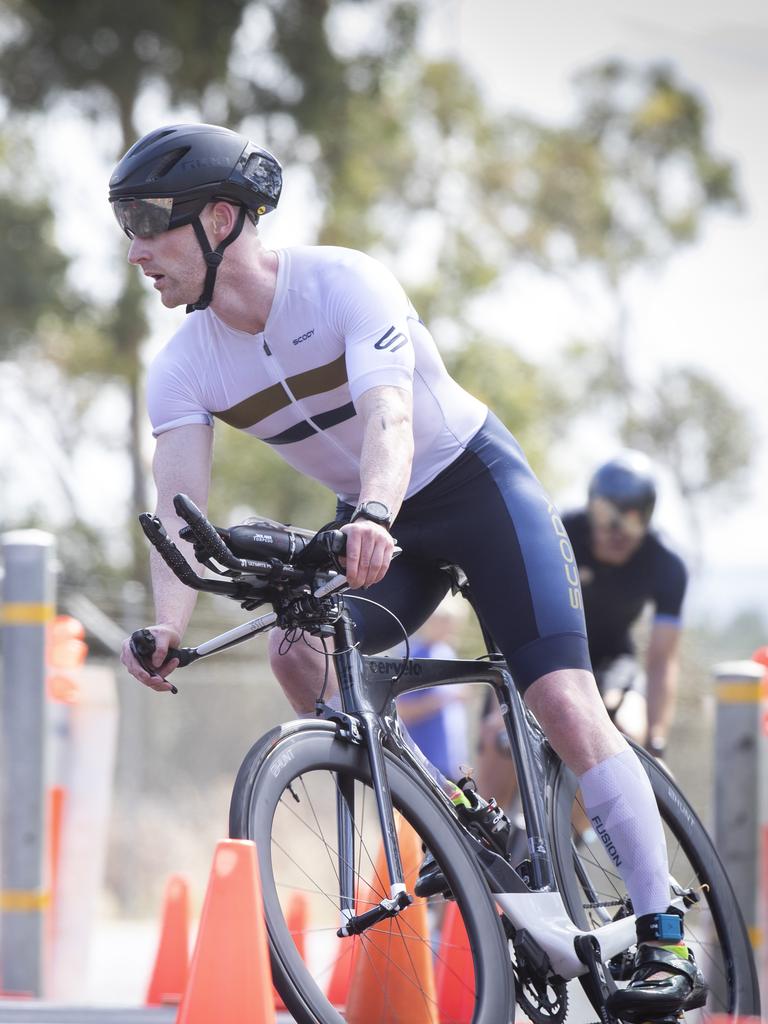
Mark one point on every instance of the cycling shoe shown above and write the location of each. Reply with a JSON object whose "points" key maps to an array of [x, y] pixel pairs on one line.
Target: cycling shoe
{"points": [[647, 998]]}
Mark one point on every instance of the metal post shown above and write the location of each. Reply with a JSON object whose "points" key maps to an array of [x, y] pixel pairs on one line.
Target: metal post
{"points": [[761, 657], [739, 751], [27, 605]]}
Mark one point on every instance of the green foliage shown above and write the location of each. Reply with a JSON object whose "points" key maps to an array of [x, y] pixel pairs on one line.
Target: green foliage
{"points": [[107, 50], [32, 267], [407, 162], [520, 394], [629, 180]]}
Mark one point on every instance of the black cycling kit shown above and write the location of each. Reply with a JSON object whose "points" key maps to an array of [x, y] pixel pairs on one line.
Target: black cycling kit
{"points": [[615, 596]]}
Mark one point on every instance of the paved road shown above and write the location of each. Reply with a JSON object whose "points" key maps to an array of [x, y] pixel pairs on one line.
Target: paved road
{"points": [[33, 1012]]}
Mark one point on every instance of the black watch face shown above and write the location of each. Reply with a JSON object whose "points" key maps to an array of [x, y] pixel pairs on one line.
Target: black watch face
{"points": [[376, 510]]}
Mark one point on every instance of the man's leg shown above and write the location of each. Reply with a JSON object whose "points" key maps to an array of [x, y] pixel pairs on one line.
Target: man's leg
{"points": [[617, 794], [300, 669], [619, 799]]}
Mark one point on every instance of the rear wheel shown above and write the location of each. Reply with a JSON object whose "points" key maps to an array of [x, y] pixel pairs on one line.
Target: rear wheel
{"points": [[440, 959], [594, 893]]}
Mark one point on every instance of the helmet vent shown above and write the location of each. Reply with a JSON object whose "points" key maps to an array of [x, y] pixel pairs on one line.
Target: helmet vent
{"points": [[166, 163]]}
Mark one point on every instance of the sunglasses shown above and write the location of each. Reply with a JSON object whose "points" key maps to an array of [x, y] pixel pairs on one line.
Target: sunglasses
{"points": [[142, 218], [604, 515]]}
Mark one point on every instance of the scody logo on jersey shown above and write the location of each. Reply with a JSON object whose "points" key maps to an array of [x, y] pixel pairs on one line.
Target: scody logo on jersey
{"points": [[303, 337]]}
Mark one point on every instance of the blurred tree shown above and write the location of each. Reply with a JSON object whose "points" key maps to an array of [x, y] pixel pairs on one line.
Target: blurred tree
{"points": [[42, 317], [403, 157], [32, 267], [104, 56], [699, 432], [522, 395], [623, 187]]}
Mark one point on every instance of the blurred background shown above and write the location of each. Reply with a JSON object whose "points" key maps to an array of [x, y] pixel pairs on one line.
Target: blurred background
{"points": [[576, 199]]}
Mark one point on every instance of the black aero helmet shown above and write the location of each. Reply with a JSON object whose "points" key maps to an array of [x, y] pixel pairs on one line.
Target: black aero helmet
{"points": [[627, 481], [166, 179]]}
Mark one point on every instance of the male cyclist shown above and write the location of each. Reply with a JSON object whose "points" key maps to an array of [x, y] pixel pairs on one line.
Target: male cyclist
{"points": [[624, 566], [318, 352]]}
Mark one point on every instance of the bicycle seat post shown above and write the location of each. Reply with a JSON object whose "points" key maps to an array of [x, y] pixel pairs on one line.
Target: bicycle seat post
{"points": [[355, 700]]}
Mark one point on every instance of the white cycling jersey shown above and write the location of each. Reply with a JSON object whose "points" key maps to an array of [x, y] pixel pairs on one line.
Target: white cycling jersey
{"points": [[339, 325]]}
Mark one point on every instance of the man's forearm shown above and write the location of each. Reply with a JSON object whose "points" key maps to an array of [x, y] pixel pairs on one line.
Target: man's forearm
{"points": [[387, 451], [174, 602], [662, 697]]}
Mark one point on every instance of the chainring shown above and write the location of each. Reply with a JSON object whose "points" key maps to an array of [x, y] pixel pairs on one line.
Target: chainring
{"points": [[543, 1002]]}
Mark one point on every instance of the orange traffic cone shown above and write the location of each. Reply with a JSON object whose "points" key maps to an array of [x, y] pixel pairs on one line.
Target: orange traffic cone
{"points": [[726, 1018], [229, 978], [393, 980], [454, 971], [169, 975], [343, 971], [296, 918]]}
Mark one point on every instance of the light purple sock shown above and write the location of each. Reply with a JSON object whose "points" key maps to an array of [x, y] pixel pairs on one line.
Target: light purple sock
{"points": [[621, 807]]}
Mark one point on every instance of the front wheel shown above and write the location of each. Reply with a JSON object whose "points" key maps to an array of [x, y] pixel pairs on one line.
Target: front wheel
{"points": [[287, 799], [594, 893]]}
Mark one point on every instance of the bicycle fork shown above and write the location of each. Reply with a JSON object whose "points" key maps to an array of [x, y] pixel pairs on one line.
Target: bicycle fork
{"points": [[349, 671]]}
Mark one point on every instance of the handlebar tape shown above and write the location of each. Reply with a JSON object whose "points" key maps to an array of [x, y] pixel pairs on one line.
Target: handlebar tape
{"points": [[173, 558]]}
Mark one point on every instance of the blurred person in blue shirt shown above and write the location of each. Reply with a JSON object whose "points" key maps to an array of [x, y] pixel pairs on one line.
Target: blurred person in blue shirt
{"points": [[436, 717]]}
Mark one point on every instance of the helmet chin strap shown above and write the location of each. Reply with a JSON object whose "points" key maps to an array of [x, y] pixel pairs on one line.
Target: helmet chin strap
{"points": [[213, 257]]}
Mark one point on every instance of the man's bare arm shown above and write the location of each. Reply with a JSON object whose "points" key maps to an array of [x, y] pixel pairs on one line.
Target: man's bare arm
{"points": [[662, 666], [385, 469], [387, 453], [182, 463]]}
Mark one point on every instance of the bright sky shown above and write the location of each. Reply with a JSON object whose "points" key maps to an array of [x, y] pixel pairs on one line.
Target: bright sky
{"points": [[709, 307]]}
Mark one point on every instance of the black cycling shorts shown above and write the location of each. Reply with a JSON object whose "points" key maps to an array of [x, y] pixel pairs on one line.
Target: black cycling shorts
{"points": [[487, 513]]}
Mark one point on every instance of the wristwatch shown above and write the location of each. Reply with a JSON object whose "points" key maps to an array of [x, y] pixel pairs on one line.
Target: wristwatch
{"points": [[376, 511]]}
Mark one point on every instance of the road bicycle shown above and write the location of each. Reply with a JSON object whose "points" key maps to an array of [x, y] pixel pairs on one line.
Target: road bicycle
{"points": [[322, 798]]}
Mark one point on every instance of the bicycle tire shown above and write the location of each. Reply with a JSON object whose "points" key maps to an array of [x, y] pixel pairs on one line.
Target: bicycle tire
{"points": [[714, 926], [302, 760]]}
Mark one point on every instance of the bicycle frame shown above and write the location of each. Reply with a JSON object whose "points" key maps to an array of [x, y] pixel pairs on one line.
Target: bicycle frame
{"points": [[549, 948], [538, 908], [368, 687]]}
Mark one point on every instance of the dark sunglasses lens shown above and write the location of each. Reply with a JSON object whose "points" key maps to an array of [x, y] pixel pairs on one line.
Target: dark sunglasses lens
{"points": [[143, 217]]}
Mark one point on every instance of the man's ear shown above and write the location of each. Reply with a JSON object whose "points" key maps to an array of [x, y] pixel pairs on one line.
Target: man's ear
{"points": [[223, 216]]}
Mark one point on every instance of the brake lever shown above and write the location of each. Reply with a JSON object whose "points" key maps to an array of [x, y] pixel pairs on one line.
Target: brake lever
{"points": [[143, 645], [339, 581]]}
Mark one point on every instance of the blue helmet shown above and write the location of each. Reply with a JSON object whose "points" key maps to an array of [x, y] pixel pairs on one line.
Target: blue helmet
{"points": [[628, 481]]}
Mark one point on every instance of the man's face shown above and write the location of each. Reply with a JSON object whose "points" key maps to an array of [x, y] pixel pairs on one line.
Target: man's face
{"points": [[174, 260], [616, 534]]}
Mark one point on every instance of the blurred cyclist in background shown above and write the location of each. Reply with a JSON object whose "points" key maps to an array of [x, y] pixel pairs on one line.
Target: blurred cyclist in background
{"points": [[624, 566]]}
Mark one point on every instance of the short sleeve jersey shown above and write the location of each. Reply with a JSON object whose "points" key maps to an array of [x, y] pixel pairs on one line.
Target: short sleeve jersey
{"points": [[615, 595], [340, 324]]}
